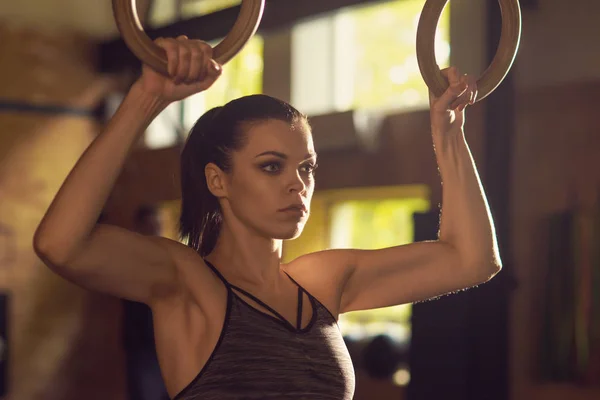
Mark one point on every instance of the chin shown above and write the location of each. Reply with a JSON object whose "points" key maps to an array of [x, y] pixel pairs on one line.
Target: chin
{"points": [[289, 233]]}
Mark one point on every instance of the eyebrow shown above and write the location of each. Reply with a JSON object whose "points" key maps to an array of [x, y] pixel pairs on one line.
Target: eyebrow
{"points": [[284, 156]]}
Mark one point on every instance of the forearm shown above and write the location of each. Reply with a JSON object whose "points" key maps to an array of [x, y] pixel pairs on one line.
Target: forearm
{"points": [[466, 221], [75, 209]]}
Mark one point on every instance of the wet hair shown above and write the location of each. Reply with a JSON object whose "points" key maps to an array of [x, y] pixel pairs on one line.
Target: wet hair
{"points": [[213, 139]]}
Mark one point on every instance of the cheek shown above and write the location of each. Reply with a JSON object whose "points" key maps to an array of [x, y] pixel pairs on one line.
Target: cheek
{"points": [[253, 190], [310, 186], [310, 190]]}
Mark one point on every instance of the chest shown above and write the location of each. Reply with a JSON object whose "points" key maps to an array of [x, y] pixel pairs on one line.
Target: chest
{"points": [[261, 356], [294, 310]]}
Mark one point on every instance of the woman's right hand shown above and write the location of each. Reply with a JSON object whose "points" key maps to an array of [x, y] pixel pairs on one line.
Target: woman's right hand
{"points": [[191, 70]]}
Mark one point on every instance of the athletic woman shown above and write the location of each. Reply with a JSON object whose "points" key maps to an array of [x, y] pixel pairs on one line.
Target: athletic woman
{"points": [[231, 320]]}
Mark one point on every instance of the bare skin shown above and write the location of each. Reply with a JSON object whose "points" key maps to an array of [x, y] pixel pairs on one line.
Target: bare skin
{"points": [[188, 301]]}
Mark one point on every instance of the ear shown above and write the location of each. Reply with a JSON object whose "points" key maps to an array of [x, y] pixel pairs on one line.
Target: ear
{"points": [[216, 180]]}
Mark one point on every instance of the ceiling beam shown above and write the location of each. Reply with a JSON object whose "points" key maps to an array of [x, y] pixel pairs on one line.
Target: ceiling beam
{"points": [[114, 55]]}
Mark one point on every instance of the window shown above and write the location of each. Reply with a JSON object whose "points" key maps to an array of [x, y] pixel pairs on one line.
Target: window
{"points": [[363, 58], [242, 76]]}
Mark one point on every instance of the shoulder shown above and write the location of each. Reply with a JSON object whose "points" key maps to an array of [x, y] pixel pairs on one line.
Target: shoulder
{"points": [[196, 281], [177, 250], [323, 274], [182, 256], [327, 264]]}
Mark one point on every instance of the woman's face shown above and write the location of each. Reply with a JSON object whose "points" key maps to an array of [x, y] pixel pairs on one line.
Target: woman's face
{"points": [[271, 183]]}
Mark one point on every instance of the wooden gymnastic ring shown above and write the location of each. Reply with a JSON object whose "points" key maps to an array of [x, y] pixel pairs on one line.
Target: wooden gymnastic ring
{"points": [[501, 64], [128, 23]]}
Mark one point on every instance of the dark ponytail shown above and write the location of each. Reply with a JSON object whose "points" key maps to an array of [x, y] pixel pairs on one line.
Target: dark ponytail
{"points": [[214, 137]]}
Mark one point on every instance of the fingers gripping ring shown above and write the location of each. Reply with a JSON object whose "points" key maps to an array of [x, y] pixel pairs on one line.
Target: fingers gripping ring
{"points": [[501, 64], [148, 52]]}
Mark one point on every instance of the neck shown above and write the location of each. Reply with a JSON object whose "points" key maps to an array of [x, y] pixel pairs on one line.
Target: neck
{"points": [[246, 258]]}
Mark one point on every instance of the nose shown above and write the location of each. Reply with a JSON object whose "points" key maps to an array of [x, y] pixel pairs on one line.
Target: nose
{"points": [[297, 184]]}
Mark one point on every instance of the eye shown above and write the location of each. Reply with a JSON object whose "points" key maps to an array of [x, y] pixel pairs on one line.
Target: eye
{"points": [[309, 168], [271, 167]]}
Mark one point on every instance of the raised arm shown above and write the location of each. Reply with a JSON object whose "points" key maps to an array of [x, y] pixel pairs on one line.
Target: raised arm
{"points": [[107, 258], [466, 252]]}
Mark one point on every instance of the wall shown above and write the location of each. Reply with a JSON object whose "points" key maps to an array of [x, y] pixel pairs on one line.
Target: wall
{"points": [[559, 44], [555, 169], [63, 341], [91, 18], [555, 165]]}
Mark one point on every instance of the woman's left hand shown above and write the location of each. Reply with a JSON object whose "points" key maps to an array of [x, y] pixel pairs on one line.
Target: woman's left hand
{"points": [[448, 110]]}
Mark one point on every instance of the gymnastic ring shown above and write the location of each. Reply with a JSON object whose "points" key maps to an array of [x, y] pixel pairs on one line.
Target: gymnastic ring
{"points": [[498, 69], [128, 23]]}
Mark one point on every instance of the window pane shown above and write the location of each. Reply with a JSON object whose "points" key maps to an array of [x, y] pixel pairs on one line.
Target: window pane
{"points": [[363, 58], [385, 59], [312, 68], [192, 8], [374, 224]]}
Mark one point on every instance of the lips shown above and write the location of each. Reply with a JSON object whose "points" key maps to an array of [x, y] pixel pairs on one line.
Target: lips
{"points": [[296, 207]]}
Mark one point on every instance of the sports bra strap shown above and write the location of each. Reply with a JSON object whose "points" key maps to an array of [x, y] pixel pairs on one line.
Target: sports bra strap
{"points": [[230, 286], [216, 271], [300, 301]]}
